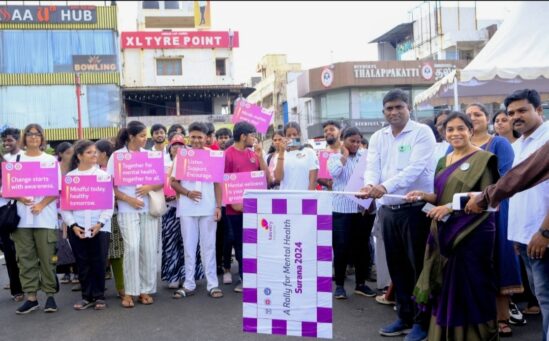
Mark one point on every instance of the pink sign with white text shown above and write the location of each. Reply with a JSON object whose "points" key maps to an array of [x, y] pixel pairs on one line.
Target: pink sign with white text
{"points": [[259, 117], [139, 168], [200, 165], [87, 192], [356, 182], [323, 172], [234, 185], [30, 179]]}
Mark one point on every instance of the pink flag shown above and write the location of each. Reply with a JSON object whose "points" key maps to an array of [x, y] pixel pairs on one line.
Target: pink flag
{"points": [[259, 117], [200, 165], [234, 185], [323, 157], [30, 179], [87, 192], [139, 168]]}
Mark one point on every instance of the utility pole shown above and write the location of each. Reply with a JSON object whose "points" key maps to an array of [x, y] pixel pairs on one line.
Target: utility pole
{"points": [[78, 94]]}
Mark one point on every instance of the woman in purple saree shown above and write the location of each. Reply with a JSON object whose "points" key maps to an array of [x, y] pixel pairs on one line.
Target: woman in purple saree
{"points": [[458, 279]]}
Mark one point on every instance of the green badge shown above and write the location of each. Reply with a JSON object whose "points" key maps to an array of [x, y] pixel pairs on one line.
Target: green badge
{"points": [[404, 148]]}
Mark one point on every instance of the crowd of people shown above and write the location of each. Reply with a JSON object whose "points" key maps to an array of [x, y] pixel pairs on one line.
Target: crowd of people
{"points": [[454, 274]]}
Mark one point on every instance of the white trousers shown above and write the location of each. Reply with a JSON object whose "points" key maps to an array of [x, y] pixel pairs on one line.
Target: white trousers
{"points": [[194, 229], [140, 234], [382, 270]]}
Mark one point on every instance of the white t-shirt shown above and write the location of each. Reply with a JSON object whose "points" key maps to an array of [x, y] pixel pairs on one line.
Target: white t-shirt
{"points": [[297, 165], [88, 218], [124, 207], [190, 208], [48, 217], [12, 157]]}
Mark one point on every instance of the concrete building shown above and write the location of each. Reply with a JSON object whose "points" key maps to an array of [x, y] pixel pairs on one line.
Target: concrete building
{"points": [[352, 92], [270, 92], [176, 71], [48, 55]]}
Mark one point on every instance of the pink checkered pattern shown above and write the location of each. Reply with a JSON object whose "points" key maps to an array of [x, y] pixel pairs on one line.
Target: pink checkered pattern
{"points": [[277, 202]]}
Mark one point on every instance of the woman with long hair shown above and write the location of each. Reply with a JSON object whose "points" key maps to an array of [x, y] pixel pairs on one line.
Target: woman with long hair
{"points": [[90, 252], [272, 155], [105, 148], [139, 228], [36, 234], [458, 278], [504, 127], [507, 264]]}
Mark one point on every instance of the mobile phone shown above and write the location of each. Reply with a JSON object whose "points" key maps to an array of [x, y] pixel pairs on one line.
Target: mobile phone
{"points": [[295, 142], [428, 207]]}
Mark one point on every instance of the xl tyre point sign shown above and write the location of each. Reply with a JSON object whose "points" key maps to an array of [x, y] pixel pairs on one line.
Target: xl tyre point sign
{"points": [[48, 14]]}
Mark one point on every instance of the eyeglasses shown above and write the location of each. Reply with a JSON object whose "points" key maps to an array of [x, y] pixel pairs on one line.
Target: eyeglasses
{"points": [[33, 134]]}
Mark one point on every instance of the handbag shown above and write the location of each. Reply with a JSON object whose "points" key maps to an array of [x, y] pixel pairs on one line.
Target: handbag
{"points": [[9, 219], [157, 203]]}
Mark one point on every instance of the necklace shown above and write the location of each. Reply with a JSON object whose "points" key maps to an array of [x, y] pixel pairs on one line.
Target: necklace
{"points": [[483, 142]]}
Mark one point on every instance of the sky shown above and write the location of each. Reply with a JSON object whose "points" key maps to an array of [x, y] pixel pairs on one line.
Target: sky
{"points": [[311, 33]]}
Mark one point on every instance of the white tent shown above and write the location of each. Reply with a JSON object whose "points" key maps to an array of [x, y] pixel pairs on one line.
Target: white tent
{"points": [[516, 57]]}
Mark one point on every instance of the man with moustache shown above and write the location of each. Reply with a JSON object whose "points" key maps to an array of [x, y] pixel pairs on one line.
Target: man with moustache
{"points": [[332, 131], [400, 160], [528, 208], [158, 134]]}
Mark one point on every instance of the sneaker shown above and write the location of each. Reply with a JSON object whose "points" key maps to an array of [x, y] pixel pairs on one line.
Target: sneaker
{"points": [[416, 334], [382, 299], [27, 307], [516, 318], [395, 329], [66, 279], [227, 278], [50, 306], [340, 293], [75, 279], [364, 290], [238, 287]]}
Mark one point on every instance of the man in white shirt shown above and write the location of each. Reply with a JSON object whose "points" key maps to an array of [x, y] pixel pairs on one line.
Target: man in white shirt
{"points": [[158, 134], [10, 142], [527, 209], [399, 161]]}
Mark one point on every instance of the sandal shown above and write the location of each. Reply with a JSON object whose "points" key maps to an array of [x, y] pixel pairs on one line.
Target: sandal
{"points": [[215, 293], [100, 304], [127, 301], [533, 310], [180, 293], [145, 299], [83, 305], [504, 329]]}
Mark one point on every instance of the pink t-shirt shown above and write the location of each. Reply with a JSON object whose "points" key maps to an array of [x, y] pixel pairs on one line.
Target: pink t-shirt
{"points": [[237, 161]]}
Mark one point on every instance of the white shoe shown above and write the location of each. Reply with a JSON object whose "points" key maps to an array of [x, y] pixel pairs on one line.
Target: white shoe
{"points": [[227, 278]]}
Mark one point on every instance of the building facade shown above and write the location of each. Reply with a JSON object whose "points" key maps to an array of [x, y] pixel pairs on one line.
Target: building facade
{"points": [[352, 92], [175, 70], [59, 68]]}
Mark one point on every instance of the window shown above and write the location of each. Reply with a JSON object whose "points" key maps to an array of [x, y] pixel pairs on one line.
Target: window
{"points": [[171, 4], [335, 105], [220, 69], [169, 67], [151, 5]]}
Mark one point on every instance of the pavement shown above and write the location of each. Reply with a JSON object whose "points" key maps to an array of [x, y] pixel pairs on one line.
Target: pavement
{"points": [[198, 317]]}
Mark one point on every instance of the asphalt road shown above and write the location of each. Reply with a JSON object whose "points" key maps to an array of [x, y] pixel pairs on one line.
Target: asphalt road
{"points": [[193, 318]]}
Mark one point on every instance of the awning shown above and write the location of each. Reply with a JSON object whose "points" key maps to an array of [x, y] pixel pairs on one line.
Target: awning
{"points": [[71, 134]]}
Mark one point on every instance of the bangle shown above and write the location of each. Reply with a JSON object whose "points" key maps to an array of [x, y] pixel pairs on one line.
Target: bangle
{"points": [[449, 207]]}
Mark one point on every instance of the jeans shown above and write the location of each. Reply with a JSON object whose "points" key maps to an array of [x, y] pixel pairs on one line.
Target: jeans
{"points": [[538, 276], [234, 223], [11, 264]]}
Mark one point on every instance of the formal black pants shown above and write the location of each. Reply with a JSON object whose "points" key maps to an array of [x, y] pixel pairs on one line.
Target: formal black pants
{"points": [[350, 241], [405, 231], [11, 264], [91, 258]]}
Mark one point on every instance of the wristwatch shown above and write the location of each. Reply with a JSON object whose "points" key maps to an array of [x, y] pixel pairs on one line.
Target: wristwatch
{"points": [[544, 232]]}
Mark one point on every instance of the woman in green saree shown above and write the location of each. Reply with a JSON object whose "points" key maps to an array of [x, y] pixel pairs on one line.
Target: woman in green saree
{"points": [[458, 279]]}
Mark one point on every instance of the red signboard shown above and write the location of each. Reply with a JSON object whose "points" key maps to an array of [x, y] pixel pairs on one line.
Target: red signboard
{"points": [[179, 40]]}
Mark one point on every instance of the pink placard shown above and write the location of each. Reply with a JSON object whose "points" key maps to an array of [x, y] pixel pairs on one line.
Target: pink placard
{"points": [[259, 117], [139, 168], [234, 185], [200, 165], [356, 182], [30, 179], [323, 157], [87, 192], [168, 190]]}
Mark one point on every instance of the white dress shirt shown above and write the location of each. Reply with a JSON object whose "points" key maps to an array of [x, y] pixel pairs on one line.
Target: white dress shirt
{"points": [[88, 218], [527, 209], [401, 163]]}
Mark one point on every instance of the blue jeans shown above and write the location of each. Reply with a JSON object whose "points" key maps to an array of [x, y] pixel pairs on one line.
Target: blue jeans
{"points": [[538, 276]]}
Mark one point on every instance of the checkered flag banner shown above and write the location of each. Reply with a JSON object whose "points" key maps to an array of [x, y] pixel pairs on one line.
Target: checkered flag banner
{"points": [[287, 263]]}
